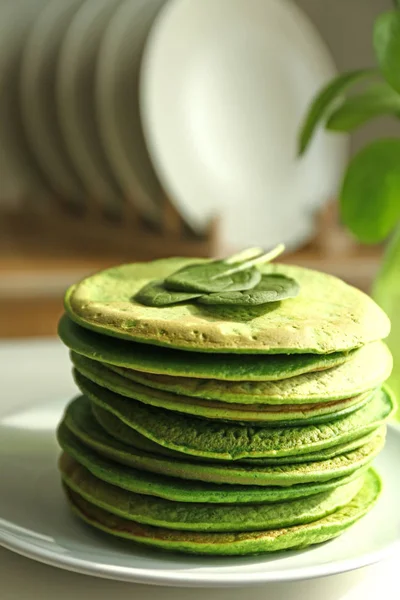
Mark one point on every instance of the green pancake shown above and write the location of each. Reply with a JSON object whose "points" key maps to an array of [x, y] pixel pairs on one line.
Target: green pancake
{"points": [[364, 371], [202, 517], [94, 451], [167, 361], [250, 413], [132, 438], [327, 316], [252, 471], [289, 474], [299, 536], [226, 441], [79, 418]]}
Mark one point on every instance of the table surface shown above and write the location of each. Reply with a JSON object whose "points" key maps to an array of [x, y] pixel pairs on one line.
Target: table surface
{"points": [[23, 579]]}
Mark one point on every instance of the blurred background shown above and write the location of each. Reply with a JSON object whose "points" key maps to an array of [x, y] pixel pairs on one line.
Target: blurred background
{"points": [[135, 129]]}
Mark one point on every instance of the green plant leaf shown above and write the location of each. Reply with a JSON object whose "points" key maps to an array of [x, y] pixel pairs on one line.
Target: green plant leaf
{"points": [[370, 196], [154, 294], [210, 277], [323, 102], [386, 292], [271, 288], [380, 99], [387, 46]]}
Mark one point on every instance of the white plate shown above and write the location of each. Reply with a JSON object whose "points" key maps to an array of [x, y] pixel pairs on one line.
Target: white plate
{"points": [[224, 88], [35, 521], [38, 96], [19, 176], [76, 100], [118, 104]]}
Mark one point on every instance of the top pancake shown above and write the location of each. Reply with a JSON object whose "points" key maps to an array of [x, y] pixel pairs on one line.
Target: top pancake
{"points": [[327, 316]]}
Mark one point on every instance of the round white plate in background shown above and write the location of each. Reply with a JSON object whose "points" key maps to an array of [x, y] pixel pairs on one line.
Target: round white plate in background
{"points": [[117, 93], [76, 76], [224, 88], [38, 97], [19, 176]]}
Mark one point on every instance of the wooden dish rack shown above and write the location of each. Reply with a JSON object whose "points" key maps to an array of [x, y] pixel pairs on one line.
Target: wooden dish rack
{"points": [[59, 228]]}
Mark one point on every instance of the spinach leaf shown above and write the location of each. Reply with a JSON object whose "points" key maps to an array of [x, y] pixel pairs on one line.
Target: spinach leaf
{"points": [[324, 101], [211, 278], [370, 196], [387, 46], [154, 294], [271, 288], [232, 274], [378, 100]]}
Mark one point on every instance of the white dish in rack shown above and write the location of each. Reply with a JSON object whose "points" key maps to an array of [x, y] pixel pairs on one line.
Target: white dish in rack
{"points": [[224, 88], [38, 97], [76, 79], [117, 91]]}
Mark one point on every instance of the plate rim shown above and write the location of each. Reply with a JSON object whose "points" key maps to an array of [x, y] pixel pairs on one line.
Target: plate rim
{"points": [[140, 576]]}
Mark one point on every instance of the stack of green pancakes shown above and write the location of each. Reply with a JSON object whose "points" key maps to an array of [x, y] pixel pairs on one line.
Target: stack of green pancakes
{"points": [[223, 429]]}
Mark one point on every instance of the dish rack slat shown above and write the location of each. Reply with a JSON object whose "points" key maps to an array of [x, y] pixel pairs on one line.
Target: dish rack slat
{"points": [[61, 228]]}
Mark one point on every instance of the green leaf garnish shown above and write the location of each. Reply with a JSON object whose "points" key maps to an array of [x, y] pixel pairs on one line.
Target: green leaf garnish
{"points": [[380, 99], [271, 288], [234, 281], [237, 273], [387, 46], [370, 196], [155, 294], [211, 278], [324, 101]]}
